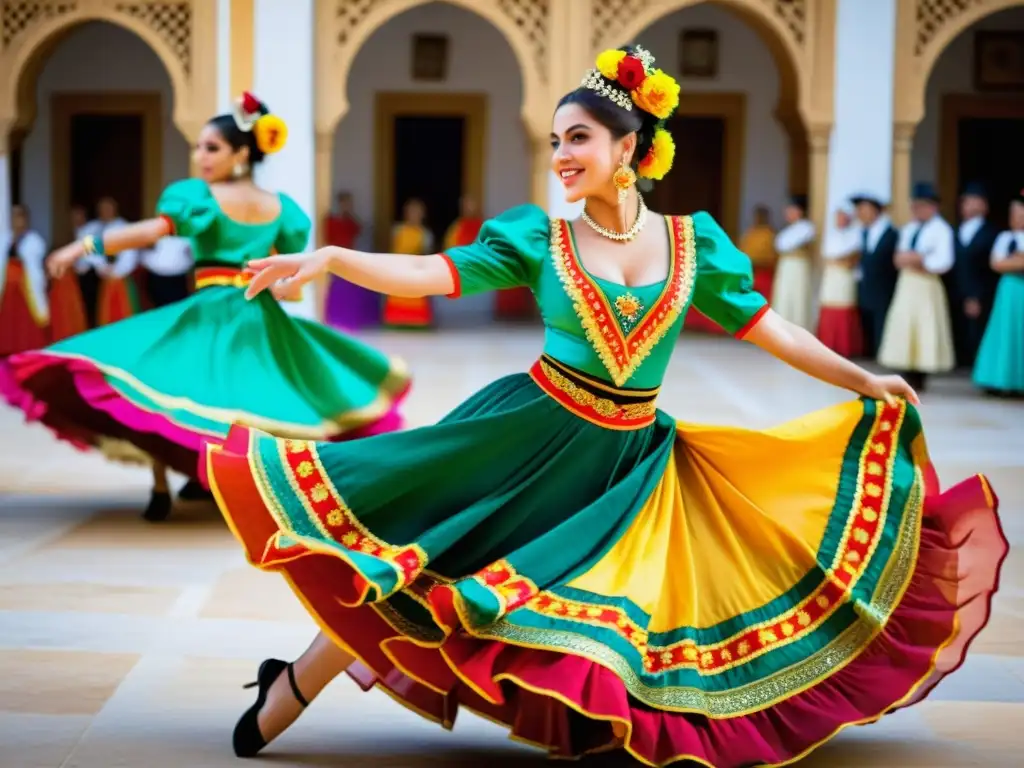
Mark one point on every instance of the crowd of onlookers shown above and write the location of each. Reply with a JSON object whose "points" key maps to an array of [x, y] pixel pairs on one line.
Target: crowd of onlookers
{"points": [[36, 311]]}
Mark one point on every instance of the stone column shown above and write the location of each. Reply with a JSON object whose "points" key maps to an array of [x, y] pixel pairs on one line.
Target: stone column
{"points": [[819, 141], [284, 33], [570, 54], [224, 94], [861, 158], [902, 147], [6, 193], [324, 178]]}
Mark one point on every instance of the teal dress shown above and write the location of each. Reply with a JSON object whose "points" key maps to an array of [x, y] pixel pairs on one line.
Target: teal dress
{"points": [[158, 385], [999, 367], [561, 556]]}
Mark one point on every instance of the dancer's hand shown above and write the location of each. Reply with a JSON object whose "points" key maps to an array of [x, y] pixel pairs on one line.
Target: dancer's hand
{"points": [[889, 388], [286, 274], [61, 260]]}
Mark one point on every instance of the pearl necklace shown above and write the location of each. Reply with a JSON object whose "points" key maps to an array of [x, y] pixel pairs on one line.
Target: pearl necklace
{"points": [[622, 237]]}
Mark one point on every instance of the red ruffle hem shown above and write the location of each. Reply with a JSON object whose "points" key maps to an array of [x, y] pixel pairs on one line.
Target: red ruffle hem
{"points": [[572, 706]]}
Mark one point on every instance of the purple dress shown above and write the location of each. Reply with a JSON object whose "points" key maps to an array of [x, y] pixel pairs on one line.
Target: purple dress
{"points": [[349, 307]]}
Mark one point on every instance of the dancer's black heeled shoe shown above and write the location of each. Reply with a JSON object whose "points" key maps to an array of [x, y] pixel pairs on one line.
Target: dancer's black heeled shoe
{"points": [[247, 739], [193, 491], [159, 507]]}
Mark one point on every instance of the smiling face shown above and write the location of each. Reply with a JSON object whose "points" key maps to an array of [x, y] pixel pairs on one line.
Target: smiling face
{"points": [[585, 154], [1017, 216], [215, 157]]}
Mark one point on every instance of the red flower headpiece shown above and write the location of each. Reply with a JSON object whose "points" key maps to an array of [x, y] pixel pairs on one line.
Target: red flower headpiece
{"points": [[248, 109]]}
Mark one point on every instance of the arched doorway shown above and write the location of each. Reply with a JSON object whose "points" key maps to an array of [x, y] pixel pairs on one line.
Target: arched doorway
{"points": [[747, 103], [173, 43], [955, 109], [99, 128], [398, 132], [764, 106]]}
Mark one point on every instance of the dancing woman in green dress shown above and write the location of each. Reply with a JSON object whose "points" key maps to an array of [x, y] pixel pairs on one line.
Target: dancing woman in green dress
{"points": [[562, 557], [154, 387]]}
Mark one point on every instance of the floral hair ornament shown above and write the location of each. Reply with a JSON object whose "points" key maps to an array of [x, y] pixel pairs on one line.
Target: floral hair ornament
{"points": [[270, 131], [629, 78]]}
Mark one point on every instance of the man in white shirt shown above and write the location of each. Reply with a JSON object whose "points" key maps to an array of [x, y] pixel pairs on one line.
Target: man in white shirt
{"points": [[168, 265], [918, 337], [791, 290], [95, 268]]}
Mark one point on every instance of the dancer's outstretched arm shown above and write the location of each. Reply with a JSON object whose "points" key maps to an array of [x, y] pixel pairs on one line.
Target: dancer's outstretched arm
{"points": [[797, 347], [142, 234], [389, 273]]}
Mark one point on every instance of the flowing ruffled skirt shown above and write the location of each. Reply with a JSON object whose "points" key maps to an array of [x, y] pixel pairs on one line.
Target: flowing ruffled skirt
{"points": [[1000, 363], [728, 596], [158, 385]]}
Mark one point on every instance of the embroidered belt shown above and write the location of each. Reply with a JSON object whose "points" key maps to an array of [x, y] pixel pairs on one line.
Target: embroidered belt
{"points": [[596, 401], [229, 276]]}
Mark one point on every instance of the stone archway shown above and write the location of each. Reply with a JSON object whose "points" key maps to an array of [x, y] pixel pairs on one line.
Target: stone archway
{"points": [[924, 29], [801, 36], [343, 26], [182, 33]]}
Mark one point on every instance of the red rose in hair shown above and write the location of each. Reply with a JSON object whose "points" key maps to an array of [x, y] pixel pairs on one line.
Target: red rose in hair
{"points": [[631, 73], [250, 104]]}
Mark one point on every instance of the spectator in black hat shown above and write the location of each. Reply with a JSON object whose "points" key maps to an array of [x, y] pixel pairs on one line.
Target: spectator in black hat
{"points": [[918, 338], [877, 270], [971, 285]]}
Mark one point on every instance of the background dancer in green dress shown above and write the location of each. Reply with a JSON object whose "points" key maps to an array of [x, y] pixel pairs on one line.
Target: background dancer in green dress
{"points": [[154, 387], [564, 558]]}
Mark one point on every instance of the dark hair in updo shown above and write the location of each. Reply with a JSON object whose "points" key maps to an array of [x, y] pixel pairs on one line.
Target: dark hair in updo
{"points": [[237, 138], [620, 122]]}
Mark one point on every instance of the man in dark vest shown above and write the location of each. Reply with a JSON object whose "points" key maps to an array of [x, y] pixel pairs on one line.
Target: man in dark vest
{"points": [[877, 271], [971, 284]]}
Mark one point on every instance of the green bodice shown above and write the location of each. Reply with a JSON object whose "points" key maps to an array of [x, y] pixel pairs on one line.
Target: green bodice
{"points": [[218, 239], [623, 335]]}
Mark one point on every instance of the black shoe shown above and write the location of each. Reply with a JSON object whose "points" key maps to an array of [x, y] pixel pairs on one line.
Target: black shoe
{"points": [[159, 508], [193, 491], [247, 739]]}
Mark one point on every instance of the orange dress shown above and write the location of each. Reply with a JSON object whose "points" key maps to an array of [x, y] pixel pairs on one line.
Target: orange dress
{"points": [[24, 314], [67, 309], [403, 311]]}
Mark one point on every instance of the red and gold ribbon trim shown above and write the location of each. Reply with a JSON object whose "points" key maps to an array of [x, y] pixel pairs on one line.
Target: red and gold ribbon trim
{"points": [[603, 411], [229, 276]]}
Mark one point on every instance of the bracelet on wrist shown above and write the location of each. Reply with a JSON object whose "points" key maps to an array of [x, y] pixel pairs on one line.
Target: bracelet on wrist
{"points": [[92, 245]]}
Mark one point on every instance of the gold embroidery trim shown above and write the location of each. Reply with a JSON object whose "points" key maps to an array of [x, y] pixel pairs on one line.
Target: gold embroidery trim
{"points": [[861, 536], [623, 355], [600, 405], [766, 692]]}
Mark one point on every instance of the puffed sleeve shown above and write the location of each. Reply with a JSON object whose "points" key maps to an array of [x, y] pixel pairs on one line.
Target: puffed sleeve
{"points": [[507, 253], [293, 236], [724, 290], [190, 207]]}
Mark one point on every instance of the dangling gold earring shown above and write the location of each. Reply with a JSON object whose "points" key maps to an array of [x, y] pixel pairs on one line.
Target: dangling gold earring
{"points": [[623, 179]]}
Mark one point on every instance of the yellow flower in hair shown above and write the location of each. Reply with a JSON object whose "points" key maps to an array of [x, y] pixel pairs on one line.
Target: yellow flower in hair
{"points": [[658, 160], [658, 94], [608, 63], [271, 134]]}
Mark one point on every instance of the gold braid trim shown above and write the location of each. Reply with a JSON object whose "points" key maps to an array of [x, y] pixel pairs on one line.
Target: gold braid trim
{"points": [[622, 355]]}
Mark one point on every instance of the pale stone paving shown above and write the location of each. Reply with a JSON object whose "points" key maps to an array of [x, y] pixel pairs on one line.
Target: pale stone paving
{"points": [[126, 644]]}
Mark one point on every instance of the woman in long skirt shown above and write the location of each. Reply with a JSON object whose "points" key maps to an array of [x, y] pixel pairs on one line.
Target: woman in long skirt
{"points": [[564, 558], [999, 368], [152, 388]]}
